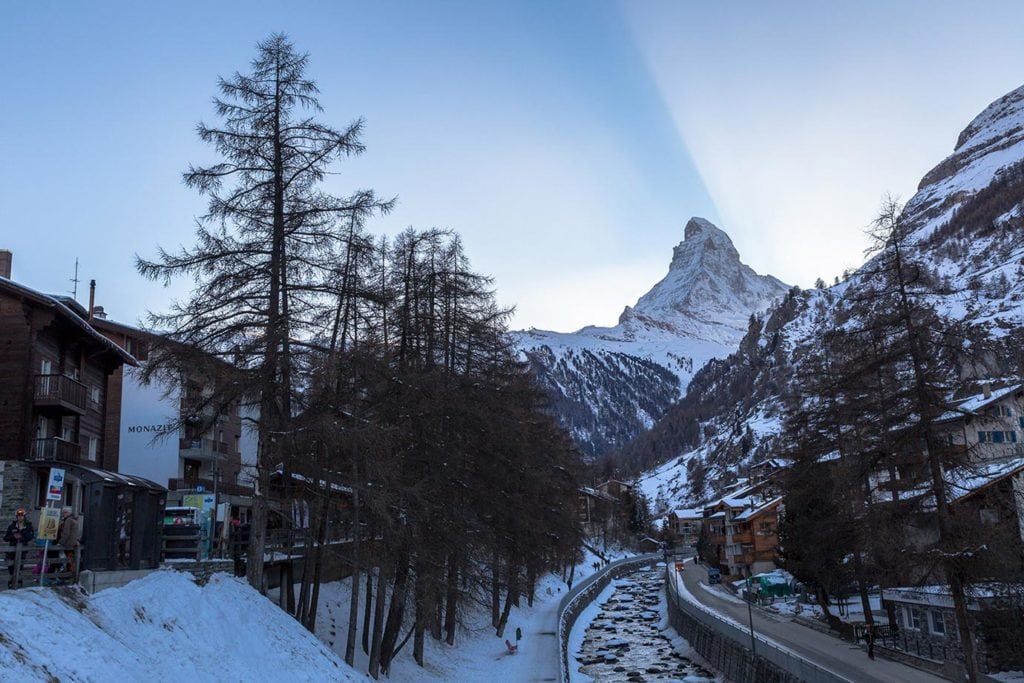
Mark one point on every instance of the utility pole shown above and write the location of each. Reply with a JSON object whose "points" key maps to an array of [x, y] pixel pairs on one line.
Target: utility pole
{"points": [[750, 618]]}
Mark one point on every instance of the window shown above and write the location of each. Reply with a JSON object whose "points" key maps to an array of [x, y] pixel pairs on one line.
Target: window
{"points": [[93, 446], [998, 436], [938, 623], [94, 394], [766, 528], [911, 618]]}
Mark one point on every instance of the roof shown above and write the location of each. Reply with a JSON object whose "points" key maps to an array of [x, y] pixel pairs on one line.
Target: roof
{"points": [[963, 482], [972, 404], [67, 313], [95, 474], [594, 493], [754, 511], [688, 513]]}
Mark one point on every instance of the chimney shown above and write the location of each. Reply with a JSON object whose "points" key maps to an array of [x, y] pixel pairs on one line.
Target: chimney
{"points": [[92, 298], [6, 257], [98, 312], [986, 389]]}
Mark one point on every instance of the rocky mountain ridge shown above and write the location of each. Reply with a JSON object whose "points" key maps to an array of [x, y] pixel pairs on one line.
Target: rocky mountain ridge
{"points": [[608, 384], [967, 228]]}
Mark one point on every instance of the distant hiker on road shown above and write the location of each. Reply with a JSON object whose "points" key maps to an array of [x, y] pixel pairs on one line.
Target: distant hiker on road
{"points": [[19, 533]]}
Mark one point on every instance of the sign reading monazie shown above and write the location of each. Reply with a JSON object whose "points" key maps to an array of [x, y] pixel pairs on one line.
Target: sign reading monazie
{"points": [[159, 429]]}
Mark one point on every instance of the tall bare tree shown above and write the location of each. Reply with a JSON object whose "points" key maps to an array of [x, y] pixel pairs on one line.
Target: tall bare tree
{"points": [[267, 251]]}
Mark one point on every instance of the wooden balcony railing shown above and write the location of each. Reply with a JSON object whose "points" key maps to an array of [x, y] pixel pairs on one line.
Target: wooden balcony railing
{"points": [[56, 449], [60, 392]]}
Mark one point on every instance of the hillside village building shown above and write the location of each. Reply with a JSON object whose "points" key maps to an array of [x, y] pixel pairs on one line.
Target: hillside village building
{"points": [[55, 369], [169, 434]]}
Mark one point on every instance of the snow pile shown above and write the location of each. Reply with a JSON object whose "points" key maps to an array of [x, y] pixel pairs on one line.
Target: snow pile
{"points": [[161, 627]]}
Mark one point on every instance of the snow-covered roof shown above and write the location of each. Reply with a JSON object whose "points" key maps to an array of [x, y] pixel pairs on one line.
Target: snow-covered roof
{"points": [[972, 404], [63, 309], [688, 513], [754, 511], [967, 480]]}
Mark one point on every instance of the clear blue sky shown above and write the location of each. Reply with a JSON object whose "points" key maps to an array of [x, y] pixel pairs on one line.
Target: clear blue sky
{"points": [[568, 142]]}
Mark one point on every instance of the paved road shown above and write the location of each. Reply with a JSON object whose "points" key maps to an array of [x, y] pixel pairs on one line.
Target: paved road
{"points": [[826, 651]]}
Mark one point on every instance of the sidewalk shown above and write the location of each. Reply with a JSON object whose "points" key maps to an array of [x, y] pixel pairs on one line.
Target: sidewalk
{"points": [[834, 654]]}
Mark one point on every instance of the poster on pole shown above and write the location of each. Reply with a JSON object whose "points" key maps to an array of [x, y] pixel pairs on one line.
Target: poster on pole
{"points": [[49, 522], [55, 489]]}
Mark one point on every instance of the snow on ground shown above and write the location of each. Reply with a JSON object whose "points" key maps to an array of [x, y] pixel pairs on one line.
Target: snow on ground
{"points": [[478, 655], [161, 627]]}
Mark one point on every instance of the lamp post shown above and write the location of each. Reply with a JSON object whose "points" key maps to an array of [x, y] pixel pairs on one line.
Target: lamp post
{"points": [[750, 619]]}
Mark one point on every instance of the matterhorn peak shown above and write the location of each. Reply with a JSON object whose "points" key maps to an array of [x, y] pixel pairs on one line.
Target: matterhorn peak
{"points": [[699, 237], [708, 292]]}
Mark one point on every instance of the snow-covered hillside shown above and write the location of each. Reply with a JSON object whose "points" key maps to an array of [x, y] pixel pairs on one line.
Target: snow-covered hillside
{"points": [[610, 383], [967, 223], [162, 627]]}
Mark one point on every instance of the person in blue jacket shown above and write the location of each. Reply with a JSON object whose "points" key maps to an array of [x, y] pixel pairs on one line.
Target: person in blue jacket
{"points": [[19, 533]]}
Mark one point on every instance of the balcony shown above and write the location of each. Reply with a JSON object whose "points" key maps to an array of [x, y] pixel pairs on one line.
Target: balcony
{"points": [[202, 449], [60, 394], [57, 449], [223, 488]]}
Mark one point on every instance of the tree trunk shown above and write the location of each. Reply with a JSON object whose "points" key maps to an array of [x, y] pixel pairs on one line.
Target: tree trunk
{"points": [[513, 596], [378, 626], [366, 610], [396, 613], [495, 589], [451, 603], [353, 605]]}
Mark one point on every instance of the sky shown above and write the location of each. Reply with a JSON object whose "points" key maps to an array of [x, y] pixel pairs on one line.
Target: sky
{"points": [[568, 142]]}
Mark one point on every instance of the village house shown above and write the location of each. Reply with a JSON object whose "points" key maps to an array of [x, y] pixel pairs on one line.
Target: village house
{"points": [[743, 532], [55, 369], [925, 625], [684, 526]]}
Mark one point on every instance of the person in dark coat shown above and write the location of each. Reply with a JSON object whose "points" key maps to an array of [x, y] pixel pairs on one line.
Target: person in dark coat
{"points": [[19, 533]]}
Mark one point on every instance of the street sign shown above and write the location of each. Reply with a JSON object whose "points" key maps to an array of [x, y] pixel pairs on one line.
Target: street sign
{"points": [[200, 488], [55, 489], [49, 522]]}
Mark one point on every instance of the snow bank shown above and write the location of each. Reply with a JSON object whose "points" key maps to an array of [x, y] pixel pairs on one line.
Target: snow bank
{"points": [[161, 627]]}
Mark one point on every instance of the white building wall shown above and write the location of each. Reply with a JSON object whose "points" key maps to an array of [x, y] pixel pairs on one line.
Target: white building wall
{"points": [[149, 440]]}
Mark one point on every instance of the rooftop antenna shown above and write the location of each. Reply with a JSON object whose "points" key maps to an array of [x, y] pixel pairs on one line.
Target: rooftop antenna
{"points": [[74, 292]]}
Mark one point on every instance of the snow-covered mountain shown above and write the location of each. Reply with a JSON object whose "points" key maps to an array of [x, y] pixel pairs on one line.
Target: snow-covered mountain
{"points": [[610, 383], [967, 223]]}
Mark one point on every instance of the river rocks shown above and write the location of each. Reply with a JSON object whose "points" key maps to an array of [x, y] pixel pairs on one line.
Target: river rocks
{"points": [[623, 644]]}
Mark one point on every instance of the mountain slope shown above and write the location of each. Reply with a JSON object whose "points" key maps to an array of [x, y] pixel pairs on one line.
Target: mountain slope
{"points": [[608, 384], [967, 223]]}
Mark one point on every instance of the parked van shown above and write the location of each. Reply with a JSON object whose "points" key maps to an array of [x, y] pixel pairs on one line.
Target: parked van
{"points": [[714, 576]]}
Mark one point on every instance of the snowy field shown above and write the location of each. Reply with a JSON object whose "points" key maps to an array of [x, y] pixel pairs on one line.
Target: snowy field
{"points": [[165, 627], [162, 627]]}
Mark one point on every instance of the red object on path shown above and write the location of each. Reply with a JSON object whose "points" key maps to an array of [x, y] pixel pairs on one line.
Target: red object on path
{"points": [[512, 649]]}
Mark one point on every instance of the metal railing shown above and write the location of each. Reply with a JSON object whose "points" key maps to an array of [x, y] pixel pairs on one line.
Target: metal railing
{"points": [[55, 448], [770, 654], [25, 566], [60, 390]]}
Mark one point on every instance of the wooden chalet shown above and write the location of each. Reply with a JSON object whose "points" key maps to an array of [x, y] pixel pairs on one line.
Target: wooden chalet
{"points": [[55, 369]]}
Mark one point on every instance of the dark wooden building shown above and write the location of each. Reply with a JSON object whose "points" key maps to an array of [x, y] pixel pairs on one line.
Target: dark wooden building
{"points": [[54, 373]]}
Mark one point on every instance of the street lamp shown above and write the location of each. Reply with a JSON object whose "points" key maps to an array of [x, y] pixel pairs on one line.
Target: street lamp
{"points": [[750, 619]]}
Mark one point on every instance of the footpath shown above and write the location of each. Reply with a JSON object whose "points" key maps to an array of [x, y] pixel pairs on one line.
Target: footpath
{"points": [[836, 655]]}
